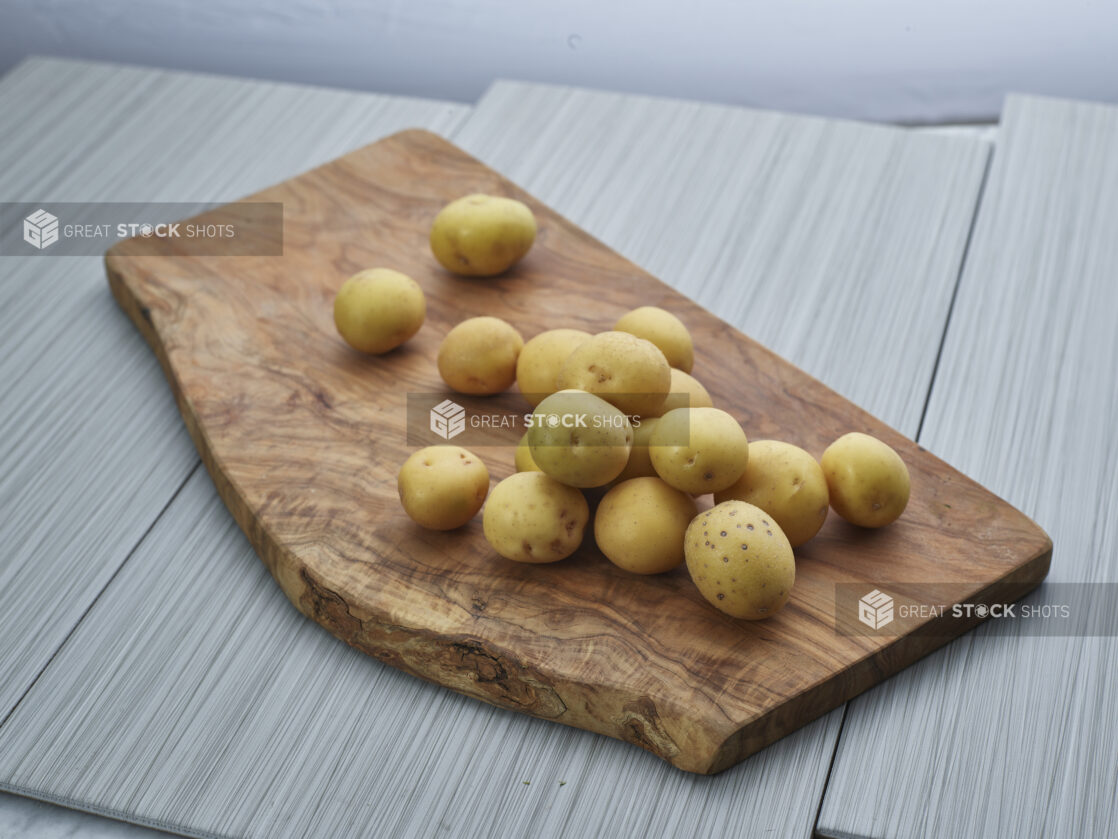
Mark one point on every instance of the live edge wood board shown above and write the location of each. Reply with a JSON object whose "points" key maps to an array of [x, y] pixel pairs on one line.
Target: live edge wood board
{"points": [[303, 438]]}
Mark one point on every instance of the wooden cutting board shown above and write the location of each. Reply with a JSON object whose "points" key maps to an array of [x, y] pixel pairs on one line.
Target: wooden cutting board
{"points": [[303, 438]]}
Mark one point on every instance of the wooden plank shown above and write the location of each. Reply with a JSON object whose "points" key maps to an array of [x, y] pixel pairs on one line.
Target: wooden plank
{"points": [[268, 726], [835, 244], [284, 412], [91, 451], [28, 819], [1013, 734], [459, 765], [92, 446]]}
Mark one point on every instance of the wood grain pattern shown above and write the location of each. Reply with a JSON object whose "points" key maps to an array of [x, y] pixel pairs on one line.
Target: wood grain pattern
{"points": [[195, 698], [278, 406], [1013, 734]]}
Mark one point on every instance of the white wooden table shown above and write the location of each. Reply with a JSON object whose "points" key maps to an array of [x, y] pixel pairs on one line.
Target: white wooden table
{"points": [[975, 313]]}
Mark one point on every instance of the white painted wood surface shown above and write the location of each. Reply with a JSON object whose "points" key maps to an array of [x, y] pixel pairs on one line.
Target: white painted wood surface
{"points": [[193, 695], [26, 818], [1010, 735], [208, 703], [836, 244], [91, 443]]}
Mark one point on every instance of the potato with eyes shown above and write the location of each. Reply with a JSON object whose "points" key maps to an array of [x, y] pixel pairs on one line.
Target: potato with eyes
{"points": [[868, 481], [442, 487], [699, 450], [640, 523], [482, 235], [537, 368], [531, 517], [740, 560], [624, 370], [479, 355], [664, 330], [579, 439], [686, 392], [786, 482], [378, 309]]}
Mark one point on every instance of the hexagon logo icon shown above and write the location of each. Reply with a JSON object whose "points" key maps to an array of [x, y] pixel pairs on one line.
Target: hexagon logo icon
{"points": [[875, 610], [448, 419], [40, 229]]}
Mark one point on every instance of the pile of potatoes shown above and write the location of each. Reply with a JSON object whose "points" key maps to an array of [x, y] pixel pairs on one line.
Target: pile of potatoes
{"points": [[649, 437]]}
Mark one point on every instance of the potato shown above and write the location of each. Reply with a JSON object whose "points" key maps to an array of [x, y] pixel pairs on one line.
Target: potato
{"points": [[523, 457], [686, 392], [639, 464], [537, 369], [640, 523], [442, 487], [479, 356], [378, 309], [482, 235], [788, 484], [867, 479], [531, 517], [740, 560], [579, 439], [626, 371], [663, 329], [699, 450]]}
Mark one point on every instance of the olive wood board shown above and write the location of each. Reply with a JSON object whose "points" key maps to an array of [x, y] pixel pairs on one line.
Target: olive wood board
{"points": [[303, 438]]}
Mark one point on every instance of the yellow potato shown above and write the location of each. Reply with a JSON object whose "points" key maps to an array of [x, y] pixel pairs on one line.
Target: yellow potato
{"points": [[537, 369], [442, 487], [740, 560], [699, 450], [482, 235], [579, 439], [686, 392], [663, 329], [523, 457], [867, 479], [378, 309], [788, 484], [626, 371], [640, 523], [639, 464], [531, 517], [479, 356]]}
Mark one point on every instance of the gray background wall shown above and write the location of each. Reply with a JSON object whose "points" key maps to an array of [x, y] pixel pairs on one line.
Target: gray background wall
{"points": [[895, 60]]}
